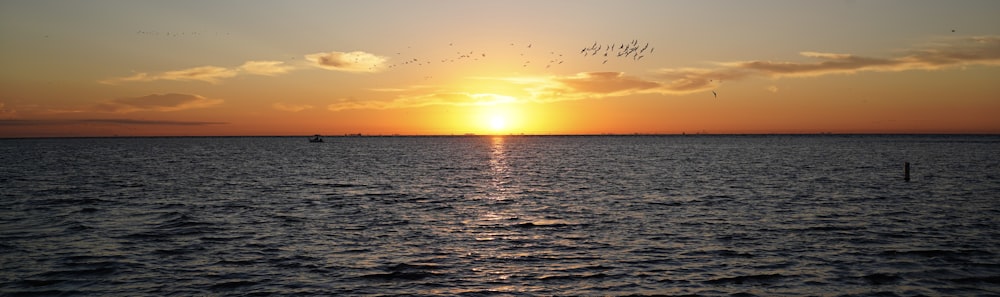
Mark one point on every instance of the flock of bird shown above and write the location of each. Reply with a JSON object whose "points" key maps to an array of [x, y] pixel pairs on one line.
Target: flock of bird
{"points": [[633, 50], [630, 49]]}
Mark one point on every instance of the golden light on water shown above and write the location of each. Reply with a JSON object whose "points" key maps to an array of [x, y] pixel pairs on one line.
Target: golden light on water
{"points": [[499, 169]]}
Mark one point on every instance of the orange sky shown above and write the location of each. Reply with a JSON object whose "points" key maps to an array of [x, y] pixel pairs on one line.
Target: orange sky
{"points": [[105, 68]]}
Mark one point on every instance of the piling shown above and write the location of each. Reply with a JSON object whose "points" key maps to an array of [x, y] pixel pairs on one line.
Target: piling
{"points": [[906, 171]]}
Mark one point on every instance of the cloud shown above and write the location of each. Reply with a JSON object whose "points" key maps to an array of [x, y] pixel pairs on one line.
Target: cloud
{"points": [[25, 122], [968, 51], [53, 122], [983, 50], [142, 76], [6, 113], [689, 80], [957, 53], [290, 107], [579, 86], [209, 74], [441, 98], [830, 63], [356, 61], [347, 104], [157, 102], [545, 89], [265, 67], [584, 85], [606, 83], [149, 122]]}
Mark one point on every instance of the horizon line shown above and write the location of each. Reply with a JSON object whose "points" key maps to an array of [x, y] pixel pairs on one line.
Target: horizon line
{"points": [[524, 135]]}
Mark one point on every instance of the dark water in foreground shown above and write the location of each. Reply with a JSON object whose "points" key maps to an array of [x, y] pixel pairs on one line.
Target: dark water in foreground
{"points": [[518, 216]]}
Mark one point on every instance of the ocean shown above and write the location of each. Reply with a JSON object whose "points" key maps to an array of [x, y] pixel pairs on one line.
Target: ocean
{"points": [[697, 215]]}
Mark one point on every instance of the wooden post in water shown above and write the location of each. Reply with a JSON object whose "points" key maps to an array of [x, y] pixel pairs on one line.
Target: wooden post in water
{"points": [[906, 171]]}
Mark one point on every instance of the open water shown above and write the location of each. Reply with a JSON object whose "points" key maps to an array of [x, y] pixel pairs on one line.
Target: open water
{"points": [[823, 215]]}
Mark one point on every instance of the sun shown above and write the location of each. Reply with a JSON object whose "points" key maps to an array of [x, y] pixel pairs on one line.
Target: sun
{"points": [[494, 115], [497, 122]]}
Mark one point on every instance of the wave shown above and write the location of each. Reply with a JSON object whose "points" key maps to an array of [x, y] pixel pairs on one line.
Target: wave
{"points": [[745, 279], [405, 271]]}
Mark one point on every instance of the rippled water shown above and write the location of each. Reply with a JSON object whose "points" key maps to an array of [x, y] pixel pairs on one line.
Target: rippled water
{"points": [[517, 215]]}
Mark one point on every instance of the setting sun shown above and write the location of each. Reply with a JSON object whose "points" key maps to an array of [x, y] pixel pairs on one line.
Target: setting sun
{"points": [[499, 119], [498, 123]]}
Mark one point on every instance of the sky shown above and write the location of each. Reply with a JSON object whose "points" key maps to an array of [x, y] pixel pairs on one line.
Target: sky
{"points": [[437, 67]]}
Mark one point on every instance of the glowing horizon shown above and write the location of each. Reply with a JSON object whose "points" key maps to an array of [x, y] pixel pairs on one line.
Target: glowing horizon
{"points": [[453, 68]]}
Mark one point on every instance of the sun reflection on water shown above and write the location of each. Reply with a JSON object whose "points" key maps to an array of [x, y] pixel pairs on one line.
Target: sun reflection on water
{"points": [[499, 170], [501, 230]]}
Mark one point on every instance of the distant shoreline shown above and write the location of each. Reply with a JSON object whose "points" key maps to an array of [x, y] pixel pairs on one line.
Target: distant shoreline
{"points": [[525, 135]]}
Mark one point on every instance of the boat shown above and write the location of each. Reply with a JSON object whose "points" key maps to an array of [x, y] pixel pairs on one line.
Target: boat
{"points": [[316, 138]]}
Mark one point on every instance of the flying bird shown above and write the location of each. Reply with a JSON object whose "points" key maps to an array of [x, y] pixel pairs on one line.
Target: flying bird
{"points": [[715, 94]]}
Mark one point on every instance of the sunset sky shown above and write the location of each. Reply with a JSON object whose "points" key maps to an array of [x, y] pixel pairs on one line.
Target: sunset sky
{"points": [[150, 68]]}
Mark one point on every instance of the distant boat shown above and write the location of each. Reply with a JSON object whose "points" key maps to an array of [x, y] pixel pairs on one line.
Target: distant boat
{"points": [[316, 138]]}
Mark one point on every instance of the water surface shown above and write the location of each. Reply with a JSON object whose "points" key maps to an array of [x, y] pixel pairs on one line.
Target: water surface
{"points": [[501, 216]]}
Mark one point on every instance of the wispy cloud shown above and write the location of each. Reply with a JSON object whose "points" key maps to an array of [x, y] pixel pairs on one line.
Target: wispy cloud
{"points": [[584, 85], [150, 122], [538, 89], [6, 113], [209, 74], [356, 61], [606, 82], [441, 98], [830, 63], [265, 67], [290, 107], [689, 80], [983, 50], [156, 102], [956, 53]]}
